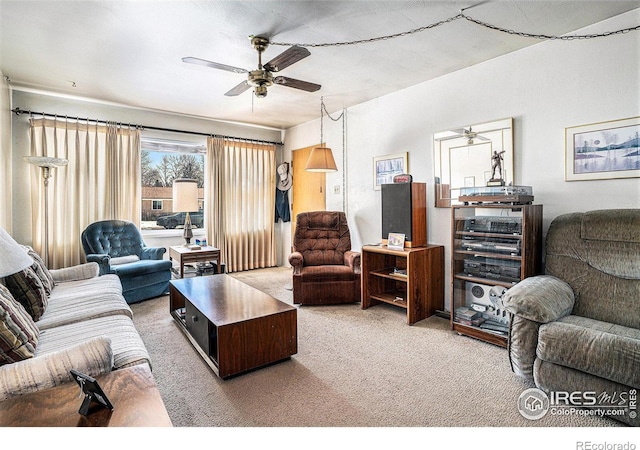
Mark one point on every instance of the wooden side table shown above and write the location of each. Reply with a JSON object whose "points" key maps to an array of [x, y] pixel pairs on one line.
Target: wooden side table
{"points": [[185, 255], [132, 391], [412, 278]]}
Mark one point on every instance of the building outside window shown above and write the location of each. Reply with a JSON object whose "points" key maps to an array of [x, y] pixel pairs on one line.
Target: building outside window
{"points": [[163, 161]]}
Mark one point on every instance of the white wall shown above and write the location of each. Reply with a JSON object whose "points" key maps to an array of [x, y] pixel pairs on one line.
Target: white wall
{"points": [[545, 88]]}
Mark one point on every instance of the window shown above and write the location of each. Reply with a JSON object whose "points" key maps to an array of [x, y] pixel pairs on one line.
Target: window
{"points": [[162, 161]]}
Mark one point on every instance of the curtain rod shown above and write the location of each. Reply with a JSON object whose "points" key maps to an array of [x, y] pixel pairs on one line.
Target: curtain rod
{"points": [[18, 111]]}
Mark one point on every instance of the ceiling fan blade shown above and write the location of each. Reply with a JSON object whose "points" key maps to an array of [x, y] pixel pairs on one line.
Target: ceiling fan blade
{"points": [[239, 89], [482, 138], [213, 65], [460, 131], [286, 58], [298, 84]]}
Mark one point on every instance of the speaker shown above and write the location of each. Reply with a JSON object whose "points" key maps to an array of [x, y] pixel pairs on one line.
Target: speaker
{"points": [[404, 210]]}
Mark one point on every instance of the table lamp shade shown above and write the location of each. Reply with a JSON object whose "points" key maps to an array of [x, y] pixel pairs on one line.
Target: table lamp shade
{"points": [[14, 257], [185, 195]]}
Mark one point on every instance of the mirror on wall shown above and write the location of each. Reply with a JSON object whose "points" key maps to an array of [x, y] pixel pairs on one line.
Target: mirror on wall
{"points": [[464, 157]]}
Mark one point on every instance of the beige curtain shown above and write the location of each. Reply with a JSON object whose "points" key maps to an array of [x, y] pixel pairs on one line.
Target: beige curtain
{"points": [[240, 202], [101, 181]]}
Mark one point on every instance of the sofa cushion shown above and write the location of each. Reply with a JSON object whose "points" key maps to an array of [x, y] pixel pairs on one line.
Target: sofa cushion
{"points": [[18, 333], [621, 225], [27, 288], [75, 301], [112, 237], [322, 237], [324, 274], [605, 350], [93, 357], [124, 260], [323, 221], [604, 275], [40, 269], [126, 344], [142, 267]]}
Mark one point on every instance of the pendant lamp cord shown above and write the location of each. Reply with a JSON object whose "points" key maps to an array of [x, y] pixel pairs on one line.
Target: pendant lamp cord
{"points": [[322, 108]]}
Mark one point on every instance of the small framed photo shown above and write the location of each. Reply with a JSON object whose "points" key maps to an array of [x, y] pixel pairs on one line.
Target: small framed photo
{"points": [[602, 151], [387, 166], [396, 241], [92, 392]]}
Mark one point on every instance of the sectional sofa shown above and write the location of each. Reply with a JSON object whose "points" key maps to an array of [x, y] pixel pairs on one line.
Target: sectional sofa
{"points": [[52, 321]]}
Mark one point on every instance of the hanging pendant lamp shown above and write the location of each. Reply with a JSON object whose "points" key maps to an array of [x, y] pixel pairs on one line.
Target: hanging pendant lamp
{"points": [[321, 158]]}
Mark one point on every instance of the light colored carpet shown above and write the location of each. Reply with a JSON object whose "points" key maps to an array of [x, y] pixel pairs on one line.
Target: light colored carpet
{"points": [[354, 368]]}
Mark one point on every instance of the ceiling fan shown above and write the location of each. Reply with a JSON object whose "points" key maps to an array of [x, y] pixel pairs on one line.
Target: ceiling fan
{"points": [[469, 135], [261, 78]]}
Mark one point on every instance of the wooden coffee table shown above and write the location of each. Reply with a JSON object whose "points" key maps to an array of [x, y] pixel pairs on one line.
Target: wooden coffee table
{"points": [[234, 327], [132, 391]]}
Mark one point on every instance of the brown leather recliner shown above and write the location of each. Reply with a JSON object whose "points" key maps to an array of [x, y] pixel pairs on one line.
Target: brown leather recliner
{"points": [[325, 269]]}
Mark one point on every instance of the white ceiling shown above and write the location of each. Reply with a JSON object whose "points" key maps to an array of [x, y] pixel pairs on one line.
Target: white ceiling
{"points": [[129, 52]]}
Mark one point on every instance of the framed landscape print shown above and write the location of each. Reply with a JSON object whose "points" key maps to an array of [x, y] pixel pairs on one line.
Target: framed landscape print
{"points": [[604, 150], [386, 167]]}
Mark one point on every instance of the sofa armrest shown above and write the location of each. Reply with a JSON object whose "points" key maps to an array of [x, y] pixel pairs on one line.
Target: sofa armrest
{"points": [[522, 345], [93, 357], [152, 252], [352, 259], [296, 261], [530, 303], [103, 260], [542, 299], [79, 272]]}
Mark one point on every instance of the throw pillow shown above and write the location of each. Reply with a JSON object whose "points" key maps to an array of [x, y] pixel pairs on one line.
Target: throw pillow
{"points": [[27, 288], [41, 269], [18, 333]]}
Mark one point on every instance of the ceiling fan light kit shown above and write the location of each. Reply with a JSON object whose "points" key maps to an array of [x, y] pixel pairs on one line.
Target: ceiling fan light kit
{"points": [[261, 78]]}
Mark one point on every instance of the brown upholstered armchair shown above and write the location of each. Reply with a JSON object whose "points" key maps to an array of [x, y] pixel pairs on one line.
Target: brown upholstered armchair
{"points": [[325, 269]]}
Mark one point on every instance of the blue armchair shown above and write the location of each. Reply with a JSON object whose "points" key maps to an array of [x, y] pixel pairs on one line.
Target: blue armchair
{"points": [[117, 247]]}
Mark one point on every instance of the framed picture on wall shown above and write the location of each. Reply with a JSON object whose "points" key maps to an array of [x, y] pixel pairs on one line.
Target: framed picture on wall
{"points": [[387, 166], [604, 150]]}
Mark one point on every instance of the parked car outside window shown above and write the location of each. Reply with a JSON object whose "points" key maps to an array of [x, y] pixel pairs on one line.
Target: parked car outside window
{"points": [[173, 220]]}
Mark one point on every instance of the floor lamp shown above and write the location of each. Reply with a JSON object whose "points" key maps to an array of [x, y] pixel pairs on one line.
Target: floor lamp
{"points": [[46, 164]]}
